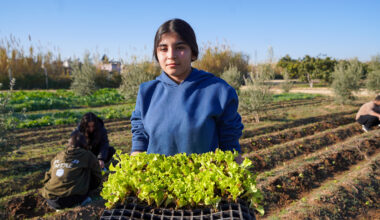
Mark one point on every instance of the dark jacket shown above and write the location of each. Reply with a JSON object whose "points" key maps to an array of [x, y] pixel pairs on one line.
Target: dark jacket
{"points": [[71, 172], [98, 142]]}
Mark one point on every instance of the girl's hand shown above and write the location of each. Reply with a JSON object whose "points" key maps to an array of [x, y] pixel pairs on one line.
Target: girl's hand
{"points": [[135, 153], [101, 164]]}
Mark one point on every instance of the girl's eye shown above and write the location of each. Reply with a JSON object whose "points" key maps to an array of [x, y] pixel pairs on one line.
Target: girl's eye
{"points": [[163, 49], [180, 48]]}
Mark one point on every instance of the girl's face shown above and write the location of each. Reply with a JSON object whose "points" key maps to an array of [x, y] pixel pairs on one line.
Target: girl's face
{"points": [[91, 127], [174, 56]]}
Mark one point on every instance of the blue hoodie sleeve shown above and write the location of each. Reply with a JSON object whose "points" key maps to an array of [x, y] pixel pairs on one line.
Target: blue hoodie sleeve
{"points": [[139, 135], [229, 124]]}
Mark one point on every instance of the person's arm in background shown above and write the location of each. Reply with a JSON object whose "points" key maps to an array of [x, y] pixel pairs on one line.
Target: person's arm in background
{"points": [[230, 126], [103, 148], [139, 135]]}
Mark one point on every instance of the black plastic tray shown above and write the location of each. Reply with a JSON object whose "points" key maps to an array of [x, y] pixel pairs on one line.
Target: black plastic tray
{"points": [[133, 210]]}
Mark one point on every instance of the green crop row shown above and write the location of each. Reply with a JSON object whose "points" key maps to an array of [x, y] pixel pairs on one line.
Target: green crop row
{"points": [[61, 99], [67, 117]]}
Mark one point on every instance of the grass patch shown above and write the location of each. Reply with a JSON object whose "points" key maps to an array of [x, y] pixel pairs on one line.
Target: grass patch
{"points": [[294, 96]]}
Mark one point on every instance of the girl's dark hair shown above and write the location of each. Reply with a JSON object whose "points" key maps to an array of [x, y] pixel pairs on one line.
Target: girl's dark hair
{"points": [[78, 140], [377, 98], [183, 29], [90, 117]]}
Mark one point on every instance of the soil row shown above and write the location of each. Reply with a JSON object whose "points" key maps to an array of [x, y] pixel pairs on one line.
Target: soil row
{"points": [[296, 123], [286, 135], [268, 158], [38, 136], [22, 184], [15, 168], [56, 135], [349, 195], [308, 173]]}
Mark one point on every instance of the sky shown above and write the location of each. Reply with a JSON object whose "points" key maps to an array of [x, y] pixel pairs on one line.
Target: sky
{"points": [[341, 29]]}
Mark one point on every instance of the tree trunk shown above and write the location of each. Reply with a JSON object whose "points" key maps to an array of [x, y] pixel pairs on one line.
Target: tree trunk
{"points": [[257, 118], [310, 80]]}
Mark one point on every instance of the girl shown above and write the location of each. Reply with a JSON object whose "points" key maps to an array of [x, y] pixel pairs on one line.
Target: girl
{"points": [[184, 110], [96, 134], [73, 173]]}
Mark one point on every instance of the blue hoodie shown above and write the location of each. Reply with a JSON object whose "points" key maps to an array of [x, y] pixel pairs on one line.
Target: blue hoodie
{"points": [[195, 116]]}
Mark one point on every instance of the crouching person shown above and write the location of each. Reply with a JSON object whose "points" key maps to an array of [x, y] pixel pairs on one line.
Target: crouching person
{"points": [[73, 173], [369, 114], [96, 135]]}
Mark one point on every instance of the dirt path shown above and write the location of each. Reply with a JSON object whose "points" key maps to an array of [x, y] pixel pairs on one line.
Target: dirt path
{"points": [[323, 91]]}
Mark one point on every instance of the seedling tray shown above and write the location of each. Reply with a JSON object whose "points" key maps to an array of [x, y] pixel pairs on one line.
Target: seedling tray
{"points": [[134, 210]]}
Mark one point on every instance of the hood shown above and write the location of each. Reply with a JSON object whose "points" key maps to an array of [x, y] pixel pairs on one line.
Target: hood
{"points": [[194, 77], [74, 152]]}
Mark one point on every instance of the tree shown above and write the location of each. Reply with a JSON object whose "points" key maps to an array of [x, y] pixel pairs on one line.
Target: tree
{"points": [[233, 77], [132, 76], [309, 68], [346, 80], [84, 76], [290, 65], [256, 96]]}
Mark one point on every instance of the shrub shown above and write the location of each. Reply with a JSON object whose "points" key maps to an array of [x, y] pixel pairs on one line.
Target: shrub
{"points": [[84, 77], [17, 60], [373, 81], [216, 59], [373, 77], [132, 76], [346, 80], [287, 85], [256, 96], [105, 79], [233, 77], [5, 112]]}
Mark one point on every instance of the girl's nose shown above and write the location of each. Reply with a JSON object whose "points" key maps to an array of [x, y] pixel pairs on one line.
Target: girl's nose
{"points": [[171, 53]]}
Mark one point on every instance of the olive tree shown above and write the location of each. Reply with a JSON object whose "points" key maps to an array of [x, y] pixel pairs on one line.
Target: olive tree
{"points": [[256, 95], [84, 76], [346, 80]]}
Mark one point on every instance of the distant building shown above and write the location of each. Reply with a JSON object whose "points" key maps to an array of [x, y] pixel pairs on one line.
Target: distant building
{"points": [[67, 67], [113, 66], [109, 65]]}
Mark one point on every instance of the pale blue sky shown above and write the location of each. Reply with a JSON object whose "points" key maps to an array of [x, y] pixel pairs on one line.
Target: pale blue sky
{"points": [[339, 28]]}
